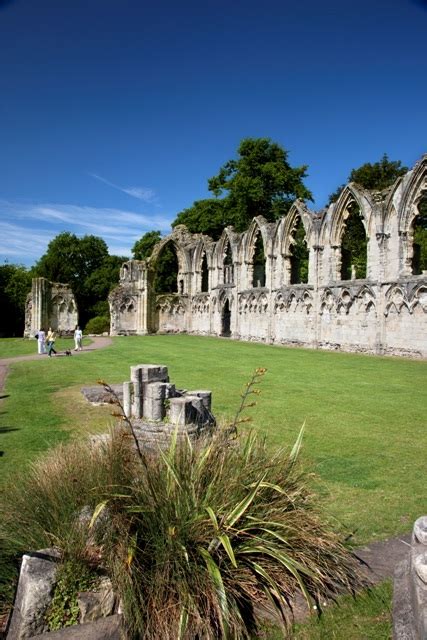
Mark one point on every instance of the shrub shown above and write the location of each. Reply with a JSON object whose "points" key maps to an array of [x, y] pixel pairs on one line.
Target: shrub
{"points": [[198, 540], [99, 324]]}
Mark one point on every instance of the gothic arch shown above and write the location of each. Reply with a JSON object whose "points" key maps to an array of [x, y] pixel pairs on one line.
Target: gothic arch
{"points": [[256, 236], [183, 256], [229, 237], [401, 211], [203, 250], [351, 194], [412, 185], [285, 231], [225, 257], [257, 226], [284, 239], [396, 300], [350, 252], [419, 297]]}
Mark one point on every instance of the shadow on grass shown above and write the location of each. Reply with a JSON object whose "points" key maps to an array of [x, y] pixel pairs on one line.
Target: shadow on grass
{"points": [[8, 429]]}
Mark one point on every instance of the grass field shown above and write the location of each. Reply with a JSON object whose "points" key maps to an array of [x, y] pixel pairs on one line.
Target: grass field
{"points": [[365, 417]]}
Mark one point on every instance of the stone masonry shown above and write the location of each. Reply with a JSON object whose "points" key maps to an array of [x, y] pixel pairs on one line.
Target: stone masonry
{"points": [[158, 410], [218, 291], [50, 304], [410, 588]]}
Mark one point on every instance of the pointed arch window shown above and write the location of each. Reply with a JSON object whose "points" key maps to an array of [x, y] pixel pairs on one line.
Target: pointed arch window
{"points": [[166, 277], [258, 262], [228, 264], [353, 245], [419, 246], [299, 254], [205, 274]]}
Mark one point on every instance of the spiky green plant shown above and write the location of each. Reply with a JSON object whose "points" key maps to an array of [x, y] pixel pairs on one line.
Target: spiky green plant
{"points": [[200, 540], [209, 537]]}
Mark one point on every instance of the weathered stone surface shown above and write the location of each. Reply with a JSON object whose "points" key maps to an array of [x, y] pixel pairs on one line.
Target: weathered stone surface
{"points": [[149, 373], [98, 395], [35, 587], [420, 566], [97, 604], [403, 619], [181, 411], [105, 629], [420, 530], [410, 591], [385, 312], [50, 304]]}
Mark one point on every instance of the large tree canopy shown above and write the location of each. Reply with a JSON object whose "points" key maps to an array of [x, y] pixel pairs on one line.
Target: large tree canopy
{"points": [[208, 216], [259, 182], [374, 177], [143, 247], [15, 284]]}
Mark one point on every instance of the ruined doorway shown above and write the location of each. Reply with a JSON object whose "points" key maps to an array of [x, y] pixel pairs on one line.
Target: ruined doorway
{"points": [[226, 320]]}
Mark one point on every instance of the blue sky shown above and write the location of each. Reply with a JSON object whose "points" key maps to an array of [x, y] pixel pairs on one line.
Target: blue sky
{"points": [[114, 113]]}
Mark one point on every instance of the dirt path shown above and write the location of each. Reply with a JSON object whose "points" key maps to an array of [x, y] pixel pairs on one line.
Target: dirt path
{"points": [[98, 342]]}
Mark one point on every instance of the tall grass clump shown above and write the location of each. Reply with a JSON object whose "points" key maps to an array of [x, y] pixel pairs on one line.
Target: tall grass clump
{"points": [[199, 540]]}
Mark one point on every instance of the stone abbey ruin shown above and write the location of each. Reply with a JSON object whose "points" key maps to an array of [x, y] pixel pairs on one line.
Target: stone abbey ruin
{"points": [[351, 277], [297, 281]]}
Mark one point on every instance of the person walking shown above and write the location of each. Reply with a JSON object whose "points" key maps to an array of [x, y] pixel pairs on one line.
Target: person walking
{"points": [[51, 337], [41, 342], [78, 339]]}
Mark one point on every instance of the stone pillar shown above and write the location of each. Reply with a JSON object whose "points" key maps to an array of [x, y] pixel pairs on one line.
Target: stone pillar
{"points": [[204, 395], [181, 411], [419, 577], [135, 376], [127, 398], [154, 401], [410, 588], [143, 375]]}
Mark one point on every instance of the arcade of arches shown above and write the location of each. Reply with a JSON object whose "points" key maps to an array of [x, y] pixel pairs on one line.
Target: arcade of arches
{"points": [[351, 277]]}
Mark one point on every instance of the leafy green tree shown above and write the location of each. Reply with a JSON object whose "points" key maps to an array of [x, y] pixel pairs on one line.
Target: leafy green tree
{"points": [[259, 182], [144, 246], [15, 284], [99, 284], [166, 270], [208, 216], [374, 177]]}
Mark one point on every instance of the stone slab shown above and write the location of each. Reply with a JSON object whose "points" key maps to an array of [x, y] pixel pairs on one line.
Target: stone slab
{"points": [[105, 629]]}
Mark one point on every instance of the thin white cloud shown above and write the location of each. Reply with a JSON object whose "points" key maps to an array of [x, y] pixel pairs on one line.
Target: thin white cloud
{"points": [[141, 193], [34, 225]]}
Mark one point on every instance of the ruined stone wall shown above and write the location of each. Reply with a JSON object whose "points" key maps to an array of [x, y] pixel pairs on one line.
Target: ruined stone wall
{"points": [[385, 312], [50, 304]]}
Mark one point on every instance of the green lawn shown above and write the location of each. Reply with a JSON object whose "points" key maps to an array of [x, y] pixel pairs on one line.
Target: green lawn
{"points": [[365, 434], [11, 347]]}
